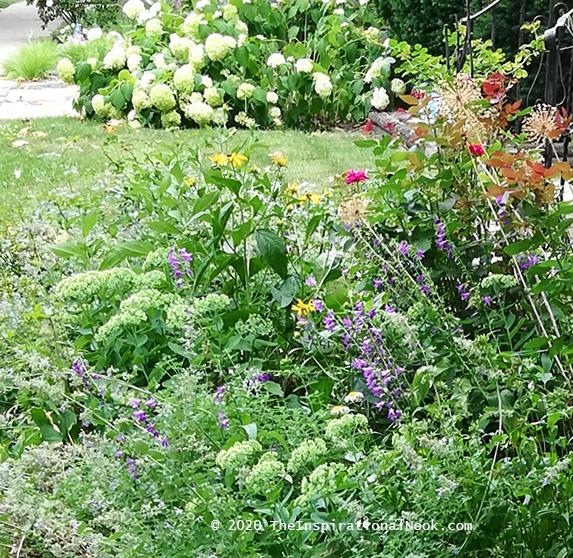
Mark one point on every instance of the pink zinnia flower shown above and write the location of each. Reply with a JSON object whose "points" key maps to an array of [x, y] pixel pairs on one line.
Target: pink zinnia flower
{"points": [[355, 176], [476, 149]]}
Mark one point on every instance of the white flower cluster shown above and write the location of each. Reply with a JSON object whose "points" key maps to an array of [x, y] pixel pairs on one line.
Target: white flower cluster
{"points": [[218, 46]]}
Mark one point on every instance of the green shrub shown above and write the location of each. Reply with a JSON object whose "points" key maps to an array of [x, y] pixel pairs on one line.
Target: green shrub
{"points": [[35, 60]]}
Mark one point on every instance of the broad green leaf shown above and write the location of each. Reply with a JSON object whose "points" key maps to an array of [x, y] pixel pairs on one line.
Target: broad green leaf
{"points": [[273, 250]]}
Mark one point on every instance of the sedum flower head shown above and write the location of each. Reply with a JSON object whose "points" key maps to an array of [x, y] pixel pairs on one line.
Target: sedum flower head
{"points": [[161, 97], [85, 287], [343, 429], [309, 453], [265, 475], [66, 70], [498, 281], [238, 455], [321, 482]]}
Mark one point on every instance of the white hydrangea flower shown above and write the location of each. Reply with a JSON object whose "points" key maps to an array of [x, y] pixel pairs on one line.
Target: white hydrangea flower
{"points": [[162, 97], [147, 79], [397, 86], [200, 112], [212, 97], [180, 46], [245, 91], [131, 115], [93, 62], [159, 60], [66, 70], [380, 99], [171, 119], [202, 4], [242, 27], [218, 46], [94, 33], [304, 65], [133, 50], [272, 97], [241, 39], [144, 16], [196, 97], [275, 112], [244, 120], [217, 14], [115, 59], [275, 60], [132, 8], [154, 27], [381, 67], [338, 11], [184, 79], [140, 100], [229, 12], [206, 81], [220, 116], [197, 57], [323, 87], [133, 62], [372, 34], [98, 103]]}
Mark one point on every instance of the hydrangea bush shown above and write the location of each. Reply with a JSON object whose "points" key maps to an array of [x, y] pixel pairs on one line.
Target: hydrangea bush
{"points": [[220, 65]]}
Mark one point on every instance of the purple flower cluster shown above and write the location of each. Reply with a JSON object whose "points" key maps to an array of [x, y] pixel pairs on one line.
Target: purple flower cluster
{"points": [[441, 239], [464, 292], [223, 420], [143, 420], [361, 335], [527, 261], [175, 263]]}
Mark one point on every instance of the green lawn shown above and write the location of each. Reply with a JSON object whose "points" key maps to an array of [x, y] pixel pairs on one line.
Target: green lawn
{"points": [[6, 3], [74, 154]]}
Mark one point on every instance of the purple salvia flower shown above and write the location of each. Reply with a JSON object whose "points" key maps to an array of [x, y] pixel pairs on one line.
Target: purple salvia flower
{"points": [[403, 248], [133, 402], [329, 320], [151, 403], [318, 305], [140, 415]]}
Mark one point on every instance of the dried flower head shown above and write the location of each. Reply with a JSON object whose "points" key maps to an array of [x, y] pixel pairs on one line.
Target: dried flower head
{"points": [[545, 122], [455, 97], [353, 210]]}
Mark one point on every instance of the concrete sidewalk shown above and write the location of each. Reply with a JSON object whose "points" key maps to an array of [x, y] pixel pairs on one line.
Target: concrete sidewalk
{"points": [[18, 24]]}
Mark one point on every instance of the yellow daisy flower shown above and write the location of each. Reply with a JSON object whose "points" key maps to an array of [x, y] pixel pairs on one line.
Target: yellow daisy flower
{"points": [[236, 159], [191, 181], [219, 159], [279, 159], [303, 308]]}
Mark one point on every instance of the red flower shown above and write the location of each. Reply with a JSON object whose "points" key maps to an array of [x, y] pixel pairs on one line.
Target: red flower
{"points": [[355, 176], [368, 127], [476, 149]]}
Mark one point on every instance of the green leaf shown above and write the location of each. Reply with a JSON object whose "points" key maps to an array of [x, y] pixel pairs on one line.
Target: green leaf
{"points": [[163, 227], [135, 248], [273, 250], [68, 250], [88, 222], [285, 294], [251, 430]]}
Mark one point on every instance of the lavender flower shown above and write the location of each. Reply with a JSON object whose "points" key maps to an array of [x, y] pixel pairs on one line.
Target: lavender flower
{"points": [[310, 281]]}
